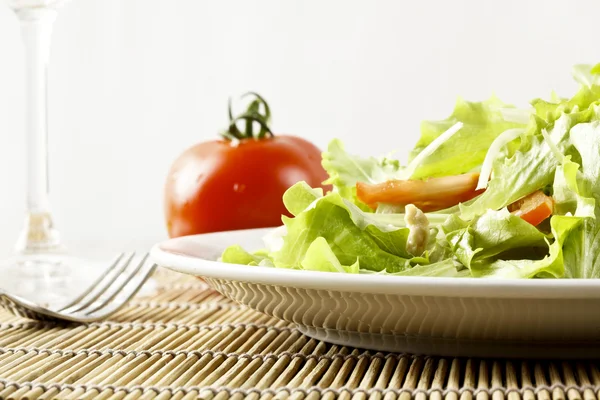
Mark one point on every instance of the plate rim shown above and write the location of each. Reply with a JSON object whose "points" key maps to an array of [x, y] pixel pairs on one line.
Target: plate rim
{"points": [[376, 284]]}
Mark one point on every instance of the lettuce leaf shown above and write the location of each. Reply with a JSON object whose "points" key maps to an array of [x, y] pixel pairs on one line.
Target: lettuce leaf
{"points": [[582, 247], [320, 257], [345, 170], [446, 268], [350, 234], [551, 266], [588, 77], [531, 168], [466, 149], [551, 111], [568, 199], [492, 234], [237, 255], [300, 196]]}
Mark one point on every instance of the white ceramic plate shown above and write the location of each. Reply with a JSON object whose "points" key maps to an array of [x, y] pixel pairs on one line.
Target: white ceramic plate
{"points": [[440, 316]]}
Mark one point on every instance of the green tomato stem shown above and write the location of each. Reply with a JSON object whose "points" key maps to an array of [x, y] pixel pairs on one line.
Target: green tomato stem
{"points": [[251, 116]]}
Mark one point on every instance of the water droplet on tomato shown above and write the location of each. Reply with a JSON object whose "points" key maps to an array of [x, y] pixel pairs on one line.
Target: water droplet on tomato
{"points": [[239, 187]]}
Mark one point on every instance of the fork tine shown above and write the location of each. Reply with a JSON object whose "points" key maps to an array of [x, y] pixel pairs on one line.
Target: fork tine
{"points": [[128, 277], [103, 288], [129, 291], [142, 273], [95, 284]]}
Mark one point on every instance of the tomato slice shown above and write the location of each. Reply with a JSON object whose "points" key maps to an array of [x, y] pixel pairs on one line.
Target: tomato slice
{"points": [[533, 208], [429, 195]]}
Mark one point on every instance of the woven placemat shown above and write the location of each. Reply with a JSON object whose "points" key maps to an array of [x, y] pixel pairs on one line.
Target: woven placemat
{"points": [[189, 342]]}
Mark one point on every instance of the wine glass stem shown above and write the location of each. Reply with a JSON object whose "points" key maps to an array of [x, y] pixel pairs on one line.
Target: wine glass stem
{"points": [[36, 30]]}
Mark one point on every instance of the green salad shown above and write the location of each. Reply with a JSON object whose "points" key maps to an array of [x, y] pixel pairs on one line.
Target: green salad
{"points": [[493, 191]]}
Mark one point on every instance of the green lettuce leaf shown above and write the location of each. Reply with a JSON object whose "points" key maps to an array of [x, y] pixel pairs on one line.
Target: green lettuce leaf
{"points": [[582, 247], [551, 266], [300, 196], [531, 168], [466, 149], [588, 77], [349, 233], [551, 111], [345, 170], [492, 234], [237, 255], [320, 257], [446, 268], [568, 199]]}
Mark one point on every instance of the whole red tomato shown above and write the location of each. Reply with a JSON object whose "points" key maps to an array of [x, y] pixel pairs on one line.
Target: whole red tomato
{"points": [[238, 182]]}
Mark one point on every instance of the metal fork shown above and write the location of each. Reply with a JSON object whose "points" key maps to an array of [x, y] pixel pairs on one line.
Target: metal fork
{"points": [[102, 298]]}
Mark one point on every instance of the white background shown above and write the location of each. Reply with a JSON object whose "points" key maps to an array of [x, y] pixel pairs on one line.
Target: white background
{"points": [[135, 82]]}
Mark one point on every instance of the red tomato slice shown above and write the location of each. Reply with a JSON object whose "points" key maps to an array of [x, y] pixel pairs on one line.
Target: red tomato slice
{"points": [[533, 208], [429, 195]]}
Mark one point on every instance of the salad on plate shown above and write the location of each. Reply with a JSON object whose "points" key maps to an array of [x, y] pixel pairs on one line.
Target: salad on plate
{"points": [[493, 191]]}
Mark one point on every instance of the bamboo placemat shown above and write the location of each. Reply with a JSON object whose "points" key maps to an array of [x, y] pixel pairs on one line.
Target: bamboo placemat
{"points": [[189, 342]]}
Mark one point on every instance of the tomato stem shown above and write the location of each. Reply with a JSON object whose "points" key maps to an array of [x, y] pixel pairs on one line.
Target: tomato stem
{"points": [[251, 116]]}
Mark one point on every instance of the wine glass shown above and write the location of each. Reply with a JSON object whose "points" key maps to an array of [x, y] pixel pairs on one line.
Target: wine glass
{"points": [[41, 269]]}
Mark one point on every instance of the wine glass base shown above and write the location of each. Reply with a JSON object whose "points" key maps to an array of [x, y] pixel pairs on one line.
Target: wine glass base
{"points": [[52, 280]]}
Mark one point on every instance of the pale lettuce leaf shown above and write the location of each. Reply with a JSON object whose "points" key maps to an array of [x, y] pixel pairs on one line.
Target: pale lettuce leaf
{"points": [[551, 266], [320, 257], [566, 193], [582, 248], [446, 268], [345, 170], [300, 196], [587, 75], [331, 219], [237, 255], [492, 234], [465, 150], [531, 168]]}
